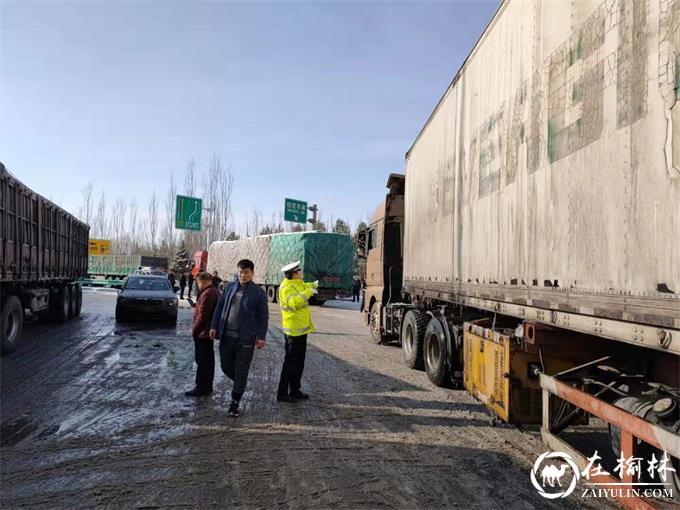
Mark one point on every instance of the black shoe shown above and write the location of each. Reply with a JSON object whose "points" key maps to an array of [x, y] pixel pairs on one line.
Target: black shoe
{"points": [[234, 411], [197, 393], [298, 395], [285, 398]]}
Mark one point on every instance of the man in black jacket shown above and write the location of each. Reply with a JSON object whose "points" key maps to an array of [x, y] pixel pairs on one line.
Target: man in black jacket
{"points": [[182, 285], [240, 323]]}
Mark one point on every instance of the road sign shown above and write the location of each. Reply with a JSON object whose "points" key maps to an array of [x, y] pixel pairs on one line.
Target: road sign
{"points": [[99, 247], [188, 213], [295, 211]]}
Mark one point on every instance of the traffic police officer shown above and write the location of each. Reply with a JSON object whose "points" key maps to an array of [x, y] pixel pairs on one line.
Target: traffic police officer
{"points": [[294, 295]]}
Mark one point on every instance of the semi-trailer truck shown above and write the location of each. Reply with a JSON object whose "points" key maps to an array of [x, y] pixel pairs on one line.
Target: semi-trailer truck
{"points": [[43, 252], [325, 256], [531, 251], [111, 270]]}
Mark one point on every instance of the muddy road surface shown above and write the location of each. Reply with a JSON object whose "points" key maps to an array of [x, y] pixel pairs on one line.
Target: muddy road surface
{"points": [[93, 414]]}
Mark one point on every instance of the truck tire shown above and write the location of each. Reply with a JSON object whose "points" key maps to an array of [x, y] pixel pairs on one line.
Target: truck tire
{"points": [[12, 325], [62, 304], [434, 354], [271, 294], [412, 333], [374, 323], [71, 302], [78, 291]]}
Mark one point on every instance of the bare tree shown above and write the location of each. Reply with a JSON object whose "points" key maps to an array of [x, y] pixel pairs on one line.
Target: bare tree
{"points": [[209, 185], [217, 186], [192, 238], [152, 221], [134, 228], [190, 178], [86, 210], [253, 224], [118, 223], [170, 201], [225, 186], [100, 223]]}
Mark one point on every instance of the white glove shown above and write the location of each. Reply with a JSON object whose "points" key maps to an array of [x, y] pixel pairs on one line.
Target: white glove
{"points": [[314, 284], [314, 292]]}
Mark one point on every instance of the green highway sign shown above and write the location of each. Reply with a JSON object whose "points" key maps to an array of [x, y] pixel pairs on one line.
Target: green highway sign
{"points": [[188, 213], [295, 211]]}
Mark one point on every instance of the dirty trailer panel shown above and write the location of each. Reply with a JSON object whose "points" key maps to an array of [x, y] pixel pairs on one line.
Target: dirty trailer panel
{"points": [[39, 241], [548, 176]]}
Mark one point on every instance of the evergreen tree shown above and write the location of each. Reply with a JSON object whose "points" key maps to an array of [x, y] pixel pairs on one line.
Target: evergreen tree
{"points": [[181, 263], [233, 236]]}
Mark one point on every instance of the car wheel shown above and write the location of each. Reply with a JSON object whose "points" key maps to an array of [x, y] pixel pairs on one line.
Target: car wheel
{"points": [[412, 332], [271, 294], [120, 316], [12, 325]]}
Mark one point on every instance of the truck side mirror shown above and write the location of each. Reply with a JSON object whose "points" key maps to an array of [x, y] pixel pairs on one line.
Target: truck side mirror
{"points": [[361, 244]]}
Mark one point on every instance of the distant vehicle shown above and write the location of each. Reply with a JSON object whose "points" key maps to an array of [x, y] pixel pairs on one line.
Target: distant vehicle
{"points": [[199, 262], [43, 253], [111, 270], [146, 296], [153, 271], [326, 256]]}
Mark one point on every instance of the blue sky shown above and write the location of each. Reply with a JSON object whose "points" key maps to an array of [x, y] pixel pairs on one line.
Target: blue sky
{"points": [[310, 100]]}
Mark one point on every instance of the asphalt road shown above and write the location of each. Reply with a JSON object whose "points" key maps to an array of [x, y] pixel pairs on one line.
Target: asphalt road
{"points": [[94, 415]]}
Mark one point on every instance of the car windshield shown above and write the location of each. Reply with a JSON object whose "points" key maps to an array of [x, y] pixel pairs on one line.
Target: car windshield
{"points": [[141, 283]]}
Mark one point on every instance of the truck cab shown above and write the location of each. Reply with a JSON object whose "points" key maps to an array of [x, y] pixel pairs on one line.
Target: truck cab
{"points": [[382, 246]]}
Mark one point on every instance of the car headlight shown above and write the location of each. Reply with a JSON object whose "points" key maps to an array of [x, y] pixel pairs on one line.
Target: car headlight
{"points": [[171, 301]]}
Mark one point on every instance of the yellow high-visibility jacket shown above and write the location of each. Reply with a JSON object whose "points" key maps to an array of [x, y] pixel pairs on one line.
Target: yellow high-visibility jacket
{"points": [[296, 316]]}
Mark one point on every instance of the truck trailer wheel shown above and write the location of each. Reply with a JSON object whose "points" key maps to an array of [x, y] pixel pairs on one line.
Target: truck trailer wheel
{"points": [[12, 325], [71, 302], [78, 291], [271, 294], [62, 304], [374, 323], [412, 333], [434, 353]]}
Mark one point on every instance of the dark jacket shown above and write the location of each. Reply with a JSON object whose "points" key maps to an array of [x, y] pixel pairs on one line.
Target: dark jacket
{"points": [[183, 280], [203, 313], [253, 313]]}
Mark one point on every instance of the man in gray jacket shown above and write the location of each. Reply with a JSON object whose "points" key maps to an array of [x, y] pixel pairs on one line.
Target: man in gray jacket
{"points": [[240, 323]]}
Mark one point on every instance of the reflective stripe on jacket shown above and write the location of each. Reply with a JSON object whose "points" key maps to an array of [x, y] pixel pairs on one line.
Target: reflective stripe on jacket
{"points": [[296, 316]]}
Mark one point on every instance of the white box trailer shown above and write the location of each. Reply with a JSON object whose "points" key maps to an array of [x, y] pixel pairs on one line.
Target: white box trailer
{"points": [[548, 176], [224, 255], [540, 211]]}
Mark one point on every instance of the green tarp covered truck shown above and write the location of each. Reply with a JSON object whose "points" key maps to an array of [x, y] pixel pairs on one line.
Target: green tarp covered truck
{"points": [[111, 270], [325, 256]]}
